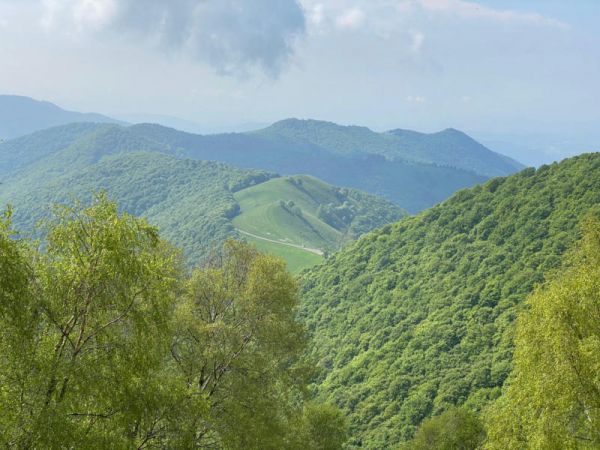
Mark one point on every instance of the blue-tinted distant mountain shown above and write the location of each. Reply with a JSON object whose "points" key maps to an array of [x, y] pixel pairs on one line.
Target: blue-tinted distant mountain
{"points": [[452, 147], [190, 126], [449, 148], [535, 149], [23, 115]]}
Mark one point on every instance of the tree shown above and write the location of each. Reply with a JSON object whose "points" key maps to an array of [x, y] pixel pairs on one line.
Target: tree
{"points": [[106, 342], [238, 344], [97, 302], [553, 397], [454, 429]]}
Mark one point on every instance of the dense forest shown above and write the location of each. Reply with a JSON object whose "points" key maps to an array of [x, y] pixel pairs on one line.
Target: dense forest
{"points": [[417, 317], [405, 338]]}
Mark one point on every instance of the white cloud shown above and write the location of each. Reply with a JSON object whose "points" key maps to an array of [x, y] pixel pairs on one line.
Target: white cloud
{"points": [[471, 10], [417, 41], [351, 19], [316, 14], [94, 13], [416, 99]]}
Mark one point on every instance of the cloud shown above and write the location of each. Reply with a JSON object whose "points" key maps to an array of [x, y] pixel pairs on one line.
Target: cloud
{"points": [[471, 10], [417, 41], [416, 99], [233, 36], [316, 14], [351, 19]]}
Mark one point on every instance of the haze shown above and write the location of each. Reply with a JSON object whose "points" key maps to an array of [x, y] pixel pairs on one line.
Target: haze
{"points": [[493, 68]]}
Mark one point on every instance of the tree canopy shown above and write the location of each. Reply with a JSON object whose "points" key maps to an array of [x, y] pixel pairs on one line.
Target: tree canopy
{"points": [[553, 395], [108, 342], [417, 317]]}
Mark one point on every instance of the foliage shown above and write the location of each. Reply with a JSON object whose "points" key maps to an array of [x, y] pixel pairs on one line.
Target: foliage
{"points": [[454, 429], [416, 317], [107, 343], [187, 200], [553, 395]]}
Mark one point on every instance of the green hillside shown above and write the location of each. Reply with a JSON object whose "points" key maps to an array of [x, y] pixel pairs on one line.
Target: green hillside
{"points": [[190, 201], [306, 215], [193, 202], [418, 316], [411, 185]]}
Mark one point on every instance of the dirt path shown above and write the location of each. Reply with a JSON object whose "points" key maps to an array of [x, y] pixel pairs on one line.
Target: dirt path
{"points": [[316, 251]]}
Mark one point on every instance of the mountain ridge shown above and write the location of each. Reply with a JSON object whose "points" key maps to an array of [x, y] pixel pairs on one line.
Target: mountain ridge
{"points": [[20, 115], [411, 185]]}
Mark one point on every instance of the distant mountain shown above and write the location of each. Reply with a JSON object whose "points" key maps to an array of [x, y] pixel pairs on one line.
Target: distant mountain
{"points": [[454, 148], [190, 126], [23, 115], [535, 149], [450, 148], [413, 170], [196, 204], [417, 316]]}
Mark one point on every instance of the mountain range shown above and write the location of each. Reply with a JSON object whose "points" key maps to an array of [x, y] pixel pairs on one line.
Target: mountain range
{"points": [[409, 316], [196, 204], [414, 170]]}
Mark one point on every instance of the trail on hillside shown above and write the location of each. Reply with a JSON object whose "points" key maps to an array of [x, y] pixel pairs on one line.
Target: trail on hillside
{"points": [[316, 251]]}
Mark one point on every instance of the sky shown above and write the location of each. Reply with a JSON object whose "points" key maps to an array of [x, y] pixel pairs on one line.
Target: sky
{"points": [[495, 67]]}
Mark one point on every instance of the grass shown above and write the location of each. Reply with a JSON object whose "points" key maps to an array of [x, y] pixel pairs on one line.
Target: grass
{"points": [[296, 259], [304, 211], [263, 214]]}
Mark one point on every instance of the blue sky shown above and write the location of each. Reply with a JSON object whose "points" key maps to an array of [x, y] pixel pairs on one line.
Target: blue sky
{"points": [[489, 66]]}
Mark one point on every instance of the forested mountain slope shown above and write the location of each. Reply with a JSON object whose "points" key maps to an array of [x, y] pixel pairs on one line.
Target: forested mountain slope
{"points": [[417, 316], [193, 202], [23, 115], [411, 185]]}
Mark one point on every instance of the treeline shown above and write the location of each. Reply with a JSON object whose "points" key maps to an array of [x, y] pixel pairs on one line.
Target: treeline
{"points": [[107, 341], [552, 397]]}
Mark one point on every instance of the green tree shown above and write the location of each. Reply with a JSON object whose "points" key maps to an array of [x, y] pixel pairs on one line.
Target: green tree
{"points": [[454, 429], [238, 344], [97, 302], [553, 397], [107, 343]]}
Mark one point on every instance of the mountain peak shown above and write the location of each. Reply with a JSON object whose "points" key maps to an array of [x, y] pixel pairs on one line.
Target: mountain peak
{"points": [[21, 115]]}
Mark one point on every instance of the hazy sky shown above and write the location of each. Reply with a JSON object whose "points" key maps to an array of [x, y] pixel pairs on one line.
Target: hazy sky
{"points": [[495, 66]]}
